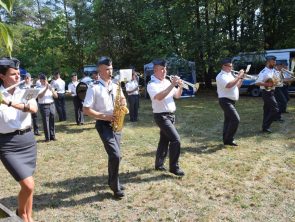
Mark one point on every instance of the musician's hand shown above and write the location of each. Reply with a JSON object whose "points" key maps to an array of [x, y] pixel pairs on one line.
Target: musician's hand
{"points": [[123, 101], [180, 83], [105, 117], [175, 80], [241, 74]]}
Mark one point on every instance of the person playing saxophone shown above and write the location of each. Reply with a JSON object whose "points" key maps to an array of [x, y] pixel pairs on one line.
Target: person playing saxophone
{"points": [[99, 104]]}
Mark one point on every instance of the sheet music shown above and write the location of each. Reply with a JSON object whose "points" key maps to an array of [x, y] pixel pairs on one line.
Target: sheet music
{"points": [[125, 75], [30, 94]]}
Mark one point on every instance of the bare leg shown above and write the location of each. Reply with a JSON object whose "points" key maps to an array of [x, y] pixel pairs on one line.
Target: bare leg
{"points": [[25, 199]]}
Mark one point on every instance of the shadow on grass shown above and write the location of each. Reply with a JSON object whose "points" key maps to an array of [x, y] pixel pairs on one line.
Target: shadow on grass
{"points": [[198, 150], [75, 191]]}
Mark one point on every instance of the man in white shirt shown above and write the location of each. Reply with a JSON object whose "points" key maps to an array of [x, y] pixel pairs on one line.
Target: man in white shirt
{"points": [[99, 104], [27, 85], [59, 85], [78, 106], [133, 97], [161, 92], [266, 81], [228, 93]]}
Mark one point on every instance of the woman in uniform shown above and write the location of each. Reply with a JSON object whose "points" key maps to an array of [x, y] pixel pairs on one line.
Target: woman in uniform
{"points": [[17, 143]]}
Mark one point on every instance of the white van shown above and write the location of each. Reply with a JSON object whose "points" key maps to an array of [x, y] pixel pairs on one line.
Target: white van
{"points": [[257, 61]]}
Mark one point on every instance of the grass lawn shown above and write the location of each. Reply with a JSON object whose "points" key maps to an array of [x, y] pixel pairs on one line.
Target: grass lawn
{"points": [[253, 182]]}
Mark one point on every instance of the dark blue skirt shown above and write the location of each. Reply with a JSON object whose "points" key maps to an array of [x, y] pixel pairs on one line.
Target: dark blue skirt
{"points": [[18, 153]]}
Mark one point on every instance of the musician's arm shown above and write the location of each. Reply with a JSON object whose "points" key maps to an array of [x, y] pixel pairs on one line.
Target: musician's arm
{"points": [[161, 95], [97, 115]]}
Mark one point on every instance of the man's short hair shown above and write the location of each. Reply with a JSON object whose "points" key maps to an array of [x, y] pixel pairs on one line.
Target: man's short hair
{"points": [[42, 76], [7, 62], [104, 60], [74, 74], [160, 62]]}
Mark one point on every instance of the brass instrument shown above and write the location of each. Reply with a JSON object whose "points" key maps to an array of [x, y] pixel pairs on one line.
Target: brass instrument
{"points": [[292, 75], [9, 88], [275, 82], [246, 76], [186, 84], [119, 111]]}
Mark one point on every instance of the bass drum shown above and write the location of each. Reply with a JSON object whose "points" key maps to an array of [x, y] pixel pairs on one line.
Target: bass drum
{"points": [[81, 90]]}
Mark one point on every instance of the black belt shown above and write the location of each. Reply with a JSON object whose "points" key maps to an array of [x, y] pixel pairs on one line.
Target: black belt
{"points": [[16, 132], [165, 113]]}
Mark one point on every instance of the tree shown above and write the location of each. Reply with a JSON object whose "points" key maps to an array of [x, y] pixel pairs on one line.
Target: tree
{"points": [[5, 33]]}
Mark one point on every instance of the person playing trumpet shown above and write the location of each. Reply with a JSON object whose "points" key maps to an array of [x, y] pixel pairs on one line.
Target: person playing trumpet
{"points": [[228, 93], [161, 92], [267, 80], [280, 95], [18, 151]]}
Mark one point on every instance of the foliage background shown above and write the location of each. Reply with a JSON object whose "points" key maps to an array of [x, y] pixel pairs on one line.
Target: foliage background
{"points": [[67, 34]]}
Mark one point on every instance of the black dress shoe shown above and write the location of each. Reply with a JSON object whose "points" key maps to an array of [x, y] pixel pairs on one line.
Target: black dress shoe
{"points": [[37, 134], [233, 143], [177, 172], [47, 141], [119, 194], [122, 187], [160, 168], [54, 139], [266, 131]]}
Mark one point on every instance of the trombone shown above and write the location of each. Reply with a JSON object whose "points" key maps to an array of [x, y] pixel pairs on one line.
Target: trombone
{"points": [[186, 84], [289, 72]]}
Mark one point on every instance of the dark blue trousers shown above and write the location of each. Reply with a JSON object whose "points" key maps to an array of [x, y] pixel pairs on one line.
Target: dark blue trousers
{"points": [[133, 101], [60, 105], [169, 138], [111, 141], [78, 109], [231, 119], [270, 108], [281, 100], [47, 112]]}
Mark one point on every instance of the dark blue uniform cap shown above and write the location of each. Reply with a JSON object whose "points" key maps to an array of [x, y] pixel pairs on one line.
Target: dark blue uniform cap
{"points": [[279, 63], [42, 76], [270, 57], [104, 60], [10, 62], [225, 61], [160, 62]]}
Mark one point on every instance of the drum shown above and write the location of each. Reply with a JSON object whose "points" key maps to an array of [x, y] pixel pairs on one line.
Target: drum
{"points": [[81, 90]]}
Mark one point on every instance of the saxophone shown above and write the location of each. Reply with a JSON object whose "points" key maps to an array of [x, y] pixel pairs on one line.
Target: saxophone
{"points": [[119, 111]]}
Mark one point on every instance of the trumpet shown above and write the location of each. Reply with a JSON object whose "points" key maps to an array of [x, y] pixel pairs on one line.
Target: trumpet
{"points": [[186, 84], [246, 76]]}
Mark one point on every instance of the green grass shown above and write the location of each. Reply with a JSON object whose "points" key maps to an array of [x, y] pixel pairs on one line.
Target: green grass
{"points": [[253, 182]]}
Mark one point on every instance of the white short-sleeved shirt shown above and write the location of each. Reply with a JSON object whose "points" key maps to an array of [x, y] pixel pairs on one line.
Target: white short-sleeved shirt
{"points": [[72, 88], [12, 119], [86, 80], [222, 79], [279, 75], [167, 104], [101, 97], [131, 85], [47, 98], [59, 85], [265, 74]]}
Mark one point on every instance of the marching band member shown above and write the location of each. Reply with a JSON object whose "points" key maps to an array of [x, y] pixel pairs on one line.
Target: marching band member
{"points": [[279, 91], [99, 104], [270, 107], [60, 104], [78, 106], [17, 143], [228, 93], [47, 109], [27, 85], [161, 92], [133, 96]]}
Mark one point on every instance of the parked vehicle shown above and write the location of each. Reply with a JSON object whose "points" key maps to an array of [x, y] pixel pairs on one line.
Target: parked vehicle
{"points": [[257, 61]]}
